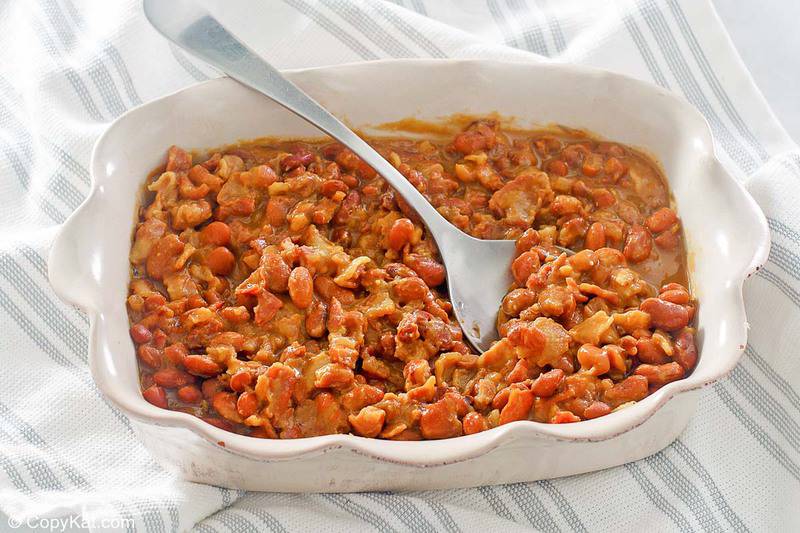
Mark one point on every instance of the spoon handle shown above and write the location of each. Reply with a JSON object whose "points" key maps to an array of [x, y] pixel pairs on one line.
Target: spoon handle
{"points": [[191, 27]]}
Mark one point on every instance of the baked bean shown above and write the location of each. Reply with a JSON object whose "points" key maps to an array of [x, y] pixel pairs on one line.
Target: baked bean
{"points": [[638, 244], [547, 383], [172, 377], [400, 233], [528, 240], [661, 220], [316, 319], [614, 168], [680, 297], [275, 272], [189, 394], [518, 300], [685, 353], [596, 409], [240, 381], [650, 352], [557, 167], [660, 375], [157, 396], [524, 265], [431, 271], [410, 289], [247, 404], [216, 234], [150, 356], [221, 261], [176, 353], [201, 365], [668, 240], [140, 334], [595, 236], [631, 389], [603, 198], [301, 287], [224, 403], [665, 315]]}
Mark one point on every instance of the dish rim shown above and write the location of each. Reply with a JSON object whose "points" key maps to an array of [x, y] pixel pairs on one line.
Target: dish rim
{"points": [[420, 453]]}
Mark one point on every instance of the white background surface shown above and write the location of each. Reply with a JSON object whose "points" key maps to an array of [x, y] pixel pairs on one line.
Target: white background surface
{"points": [[767, 35]]}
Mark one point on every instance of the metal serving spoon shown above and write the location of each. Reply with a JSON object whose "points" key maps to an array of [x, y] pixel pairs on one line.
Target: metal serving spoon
{"points": [[478, 271]]}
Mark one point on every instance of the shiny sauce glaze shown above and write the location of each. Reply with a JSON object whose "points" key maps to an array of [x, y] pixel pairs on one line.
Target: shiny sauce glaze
{"points": [[279, 289]]}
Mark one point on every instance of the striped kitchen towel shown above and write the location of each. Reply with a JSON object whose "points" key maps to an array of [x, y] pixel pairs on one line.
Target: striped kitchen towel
{"points": [[69, 67]]}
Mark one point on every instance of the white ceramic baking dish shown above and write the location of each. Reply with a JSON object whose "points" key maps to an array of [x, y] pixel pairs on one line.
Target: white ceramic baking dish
{"points": [[726, 232]]}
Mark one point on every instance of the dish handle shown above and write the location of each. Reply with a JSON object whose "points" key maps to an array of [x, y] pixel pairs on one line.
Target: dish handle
{"points": [[74, 265]]}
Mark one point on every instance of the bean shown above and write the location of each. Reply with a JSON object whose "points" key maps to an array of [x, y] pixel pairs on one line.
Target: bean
{"points": [[201, 365], [221, 261], [247, 404], [410, 289], [224, 403], [172, 377], [216, 234], [518, 300], [680, 297], [240, 380], [638, 244], [661, 220], [665, 315], [176, 353], [275, 272], [668, 240], [189, 394], [596, 409], [400, 233], [431, 271], [524, 265], [650, 352], [685, 353], [547, 383], [140, 334], [528, 240], [301, 287], [331, 187], [633, 388], [557, 167], [150, 356], [660, 375], [595, 236], [156, 395], [316, 318], [603, 198]]}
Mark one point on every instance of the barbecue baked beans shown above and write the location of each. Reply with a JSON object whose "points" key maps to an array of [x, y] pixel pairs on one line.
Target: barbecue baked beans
{"points": [[280, 289]]}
